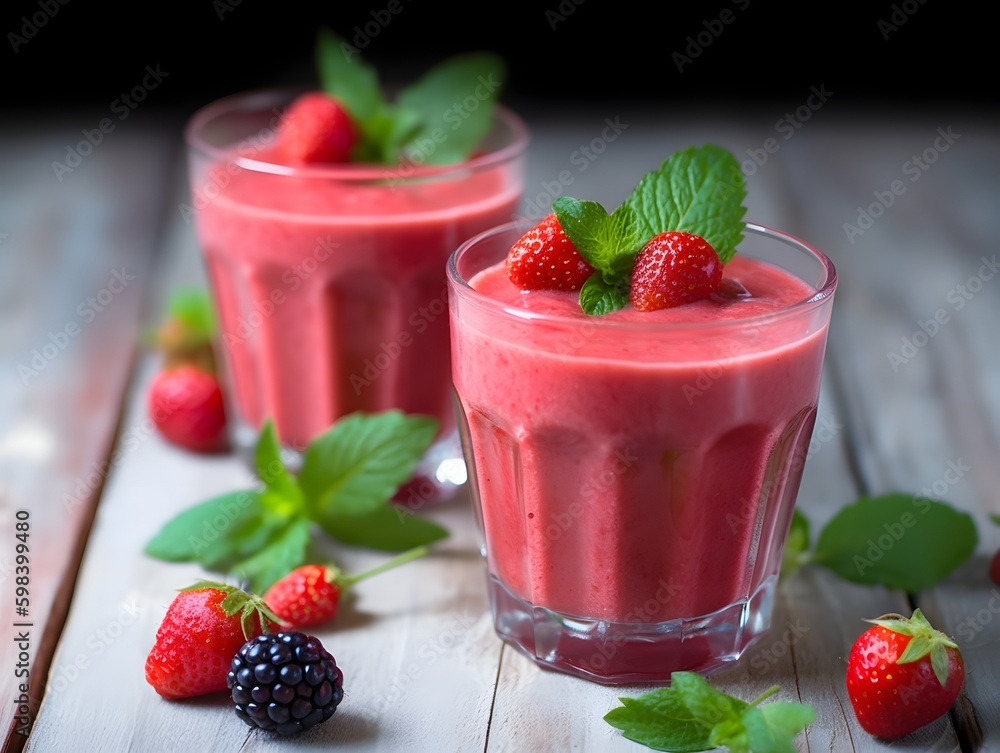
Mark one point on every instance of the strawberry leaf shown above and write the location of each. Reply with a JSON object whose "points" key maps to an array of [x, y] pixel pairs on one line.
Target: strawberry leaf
{"points": [[192, 308]]}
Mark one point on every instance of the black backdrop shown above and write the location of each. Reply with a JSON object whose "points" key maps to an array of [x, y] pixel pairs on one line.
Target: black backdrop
{"points": [[911, 54]]}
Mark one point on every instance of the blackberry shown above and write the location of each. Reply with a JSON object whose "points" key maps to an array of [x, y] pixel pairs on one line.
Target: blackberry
{"points": [[285, 682]]}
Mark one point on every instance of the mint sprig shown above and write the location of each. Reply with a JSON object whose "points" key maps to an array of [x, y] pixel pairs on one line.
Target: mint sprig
{"points": [[439, 119], [900, 541], [343, 491], [691, 715], [699, 190]]}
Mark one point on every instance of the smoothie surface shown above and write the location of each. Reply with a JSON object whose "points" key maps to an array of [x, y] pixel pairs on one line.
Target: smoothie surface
{"points": [[762, 289]]}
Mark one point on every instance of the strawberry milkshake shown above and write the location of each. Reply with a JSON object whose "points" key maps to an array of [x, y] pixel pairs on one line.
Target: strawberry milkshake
{"points": [[328, 278], [634, 474]]}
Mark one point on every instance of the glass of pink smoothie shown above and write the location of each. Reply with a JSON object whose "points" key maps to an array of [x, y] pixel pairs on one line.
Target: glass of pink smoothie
{"points": [[634, 474], [329, 280]]}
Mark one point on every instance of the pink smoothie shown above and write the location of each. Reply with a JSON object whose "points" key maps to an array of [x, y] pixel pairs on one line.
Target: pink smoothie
{"points": [[638, 467], [331, 291]]}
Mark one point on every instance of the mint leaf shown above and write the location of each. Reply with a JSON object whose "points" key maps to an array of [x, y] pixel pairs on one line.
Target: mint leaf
{"points": [[773, 727], [608, 243], [691, 715], [388, 528], [439, 119], [358, 464], [455, 100], [660, 720], [209, 532], [897, 540], [344, 74], [598, 297], [281, 490], [283, 552], [698, 190]]}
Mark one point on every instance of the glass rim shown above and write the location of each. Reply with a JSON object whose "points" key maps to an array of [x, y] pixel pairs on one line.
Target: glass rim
{"points": [[195, 141], [822, 296]]}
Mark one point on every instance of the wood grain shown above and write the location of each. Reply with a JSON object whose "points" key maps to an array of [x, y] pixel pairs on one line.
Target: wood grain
{"points": [[76, 258]]}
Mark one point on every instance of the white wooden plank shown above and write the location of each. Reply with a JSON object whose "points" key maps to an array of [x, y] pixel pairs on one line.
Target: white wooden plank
{"points": [[76, 257]]}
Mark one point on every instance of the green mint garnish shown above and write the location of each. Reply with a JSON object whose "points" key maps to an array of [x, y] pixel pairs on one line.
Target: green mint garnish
{"points": [[438, 120], [691, 715], [344, 490], [899, 541], [699, 190]]}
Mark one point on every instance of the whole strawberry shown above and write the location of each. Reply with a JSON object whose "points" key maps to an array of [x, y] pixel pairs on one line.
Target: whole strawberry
{"points": [[185, 399], [187, 406], [317, 128], [902, 674], [672, 269], [544, 258], [203, 628], [310, 594]]}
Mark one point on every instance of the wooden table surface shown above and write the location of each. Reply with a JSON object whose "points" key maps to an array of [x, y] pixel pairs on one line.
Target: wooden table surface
{"points": [[89, 255]]}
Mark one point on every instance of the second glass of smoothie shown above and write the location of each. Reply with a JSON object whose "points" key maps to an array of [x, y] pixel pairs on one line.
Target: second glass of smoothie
{"points": [[329, 279], [634, 474]]}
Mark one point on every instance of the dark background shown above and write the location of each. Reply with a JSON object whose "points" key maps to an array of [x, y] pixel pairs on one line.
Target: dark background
{"points": [[88, 53]]}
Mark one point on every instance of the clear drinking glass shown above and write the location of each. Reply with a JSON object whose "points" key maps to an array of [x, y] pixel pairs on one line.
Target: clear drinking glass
{"points": [[329, 280], [634, 480]]}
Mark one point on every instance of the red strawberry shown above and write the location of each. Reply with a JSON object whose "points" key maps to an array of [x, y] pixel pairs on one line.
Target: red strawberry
{"points": [[205, 625], [317, 128], [186, 405], [674, 268], [544, 258], [995, 567], [310, 594], [902, 674]]}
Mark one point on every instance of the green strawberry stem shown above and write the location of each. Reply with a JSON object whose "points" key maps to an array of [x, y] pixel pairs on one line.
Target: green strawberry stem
{"points": [[400, 559], [765, 695], [238, 600]]}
